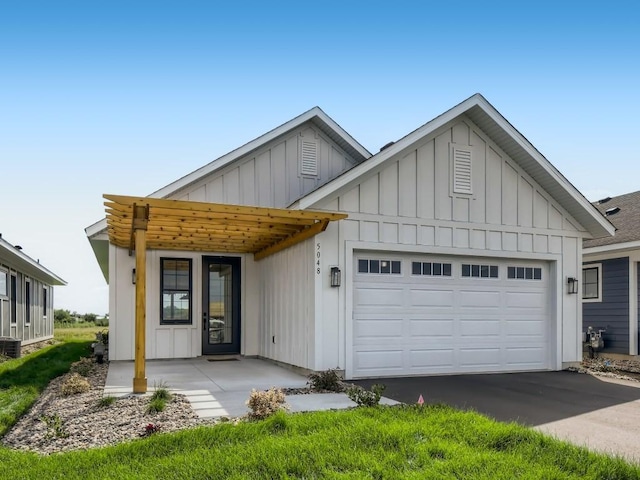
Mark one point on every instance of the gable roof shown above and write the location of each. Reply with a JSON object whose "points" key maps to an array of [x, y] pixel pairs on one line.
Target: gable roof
{"points": [[512, 142], [626, 219], [316, 116], [27, 265]]}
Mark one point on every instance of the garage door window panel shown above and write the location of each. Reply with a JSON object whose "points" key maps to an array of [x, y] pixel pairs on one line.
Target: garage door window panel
{"points": [[479, 271], [524, 273], [432, 269], [384, 267]]}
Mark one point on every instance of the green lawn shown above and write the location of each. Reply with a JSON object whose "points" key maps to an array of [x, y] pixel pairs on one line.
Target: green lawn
{"points": [[23, 379], [434, 442], [77, 332]]}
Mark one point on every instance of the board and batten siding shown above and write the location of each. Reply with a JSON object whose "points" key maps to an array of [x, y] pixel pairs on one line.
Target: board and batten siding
{"points": [[40, 326], [271, 176], [172, 341], [408, 204], [612, 313], [287, 326]]}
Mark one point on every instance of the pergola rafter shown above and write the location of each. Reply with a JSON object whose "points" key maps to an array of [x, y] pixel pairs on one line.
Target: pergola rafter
{"points": [[141, 223]]}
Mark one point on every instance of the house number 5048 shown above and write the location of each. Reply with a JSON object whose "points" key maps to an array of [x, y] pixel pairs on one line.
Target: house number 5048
{"points": [[317, 259]]}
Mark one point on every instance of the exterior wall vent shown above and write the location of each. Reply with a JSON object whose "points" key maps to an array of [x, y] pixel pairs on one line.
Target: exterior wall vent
{"points": [[462, 170], [603, 200], [386, 145], [309, 158]]}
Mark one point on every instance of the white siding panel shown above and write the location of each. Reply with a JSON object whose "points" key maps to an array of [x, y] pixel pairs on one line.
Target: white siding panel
{"points": [[509, 195], [232, 186], [426, 181], [493, 190], [215, 190], [369, 191], [407, 204], [478, 207], [525, 203], [389, 190], [442, 177]]}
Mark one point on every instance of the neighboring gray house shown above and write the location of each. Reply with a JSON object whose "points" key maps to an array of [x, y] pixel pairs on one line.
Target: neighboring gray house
{"points": [[26, 296], [454, 258], [610, 276]]}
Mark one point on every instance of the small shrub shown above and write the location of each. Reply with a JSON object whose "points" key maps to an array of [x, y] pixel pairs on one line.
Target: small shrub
{"points": [[84, 366], [156, 405], [73, 384], [161, 391], [328, 380], [365, 398], [107, 401], [150, 429], [103, 337], [55, 427], [265, 403], [4, 358]]}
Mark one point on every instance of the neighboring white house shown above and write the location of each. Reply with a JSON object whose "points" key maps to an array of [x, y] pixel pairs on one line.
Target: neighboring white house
{"points": [[26, 296], [454, 258]]}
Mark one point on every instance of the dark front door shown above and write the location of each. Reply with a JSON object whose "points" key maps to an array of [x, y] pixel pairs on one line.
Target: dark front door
{"points": [[221, 305]]}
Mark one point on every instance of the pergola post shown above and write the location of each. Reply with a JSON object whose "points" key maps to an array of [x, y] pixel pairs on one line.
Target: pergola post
{"points": [[140, 220]]}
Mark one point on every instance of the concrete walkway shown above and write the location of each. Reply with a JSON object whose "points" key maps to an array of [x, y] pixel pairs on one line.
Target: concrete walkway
{"points": [[220, 388]]}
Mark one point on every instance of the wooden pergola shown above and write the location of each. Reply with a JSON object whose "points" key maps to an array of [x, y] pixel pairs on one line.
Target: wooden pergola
{"points": [[141, 223]]}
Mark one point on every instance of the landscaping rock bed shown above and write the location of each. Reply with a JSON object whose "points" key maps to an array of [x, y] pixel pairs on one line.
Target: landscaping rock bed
{"points": [[602, 366], [58, 423]]}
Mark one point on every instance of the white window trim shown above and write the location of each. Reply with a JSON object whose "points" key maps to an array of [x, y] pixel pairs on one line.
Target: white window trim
{"points": [[598, 299], [5, 295]]}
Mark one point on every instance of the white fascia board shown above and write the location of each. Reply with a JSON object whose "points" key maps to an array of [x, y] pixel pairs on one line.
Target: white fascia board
{"points": [[26, 264], [257, 143], [544, 163], [616, 247], [379, 158], [97, 228]]}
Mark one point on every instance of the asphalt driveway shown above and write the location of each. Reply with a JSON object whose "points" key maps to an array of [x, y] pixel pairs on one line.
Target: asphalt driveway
{"points": [[601, 414]]}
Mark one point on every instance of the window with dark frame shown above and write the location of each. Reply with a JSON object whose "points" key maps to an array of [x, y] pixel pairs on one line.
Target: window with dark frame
{"points": [[44, 301], [27, 301], [590, 283], [385, 267], [175, 286], [14, 300]]}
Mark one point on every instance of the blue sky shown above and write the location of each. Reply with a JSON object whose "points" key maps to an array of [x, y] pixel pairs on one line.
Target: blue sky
{"points": [[125, 97]]}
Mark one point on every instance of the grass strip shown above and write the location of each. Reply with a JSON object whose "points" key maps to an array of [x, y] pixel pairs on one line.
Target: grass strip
{"points": [[432, 442], [23, 379]]}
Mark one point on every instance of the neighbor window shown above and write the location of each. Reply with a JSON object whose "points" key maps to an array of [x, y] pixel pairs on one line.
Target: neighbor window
{"points": [[27, 301], [175, 283], [14, 299], [44, 301], [3, 283], [592, 283]]}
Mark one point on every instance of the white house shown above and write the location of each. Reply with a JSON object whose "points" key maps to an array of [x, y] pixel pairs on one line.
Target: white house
{"points": [[454, 256], [26, 296]]}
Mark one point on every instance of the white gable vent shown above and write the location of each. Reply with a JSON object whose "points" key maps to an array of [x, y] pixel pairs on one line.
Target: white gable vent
{"points": [[461, 170], [309, 162]]}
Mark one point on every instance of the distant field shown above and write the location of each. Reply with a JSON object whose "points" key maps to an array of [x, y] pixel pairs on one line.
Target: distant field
{"points": [[79, 332]]}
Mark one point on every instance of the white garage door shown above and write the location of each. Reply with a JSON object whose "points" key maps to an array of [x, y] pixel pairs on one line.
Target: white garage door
{"points": [[425, 314]]}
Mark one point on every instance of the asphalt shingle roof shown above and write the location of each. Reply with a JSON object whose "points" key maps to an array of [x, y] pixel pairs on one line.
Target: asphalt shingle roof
{"points": [[626, 221]]}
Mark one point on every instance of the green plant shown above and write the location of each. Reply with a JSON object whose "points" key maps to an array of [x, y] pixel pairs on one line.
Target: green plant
{"points": [[106, 401], [55, 427], [84, 366], [161, 391], [156, 405], [365, 398], [103, 337], [327, 380], [265, 403], [73, 384]]}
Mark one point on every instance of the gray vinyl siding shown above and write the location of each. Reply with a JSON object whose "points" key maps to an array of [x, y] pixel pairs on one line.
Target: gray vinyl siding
{"points": [[41, 316], [612, 313]]}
